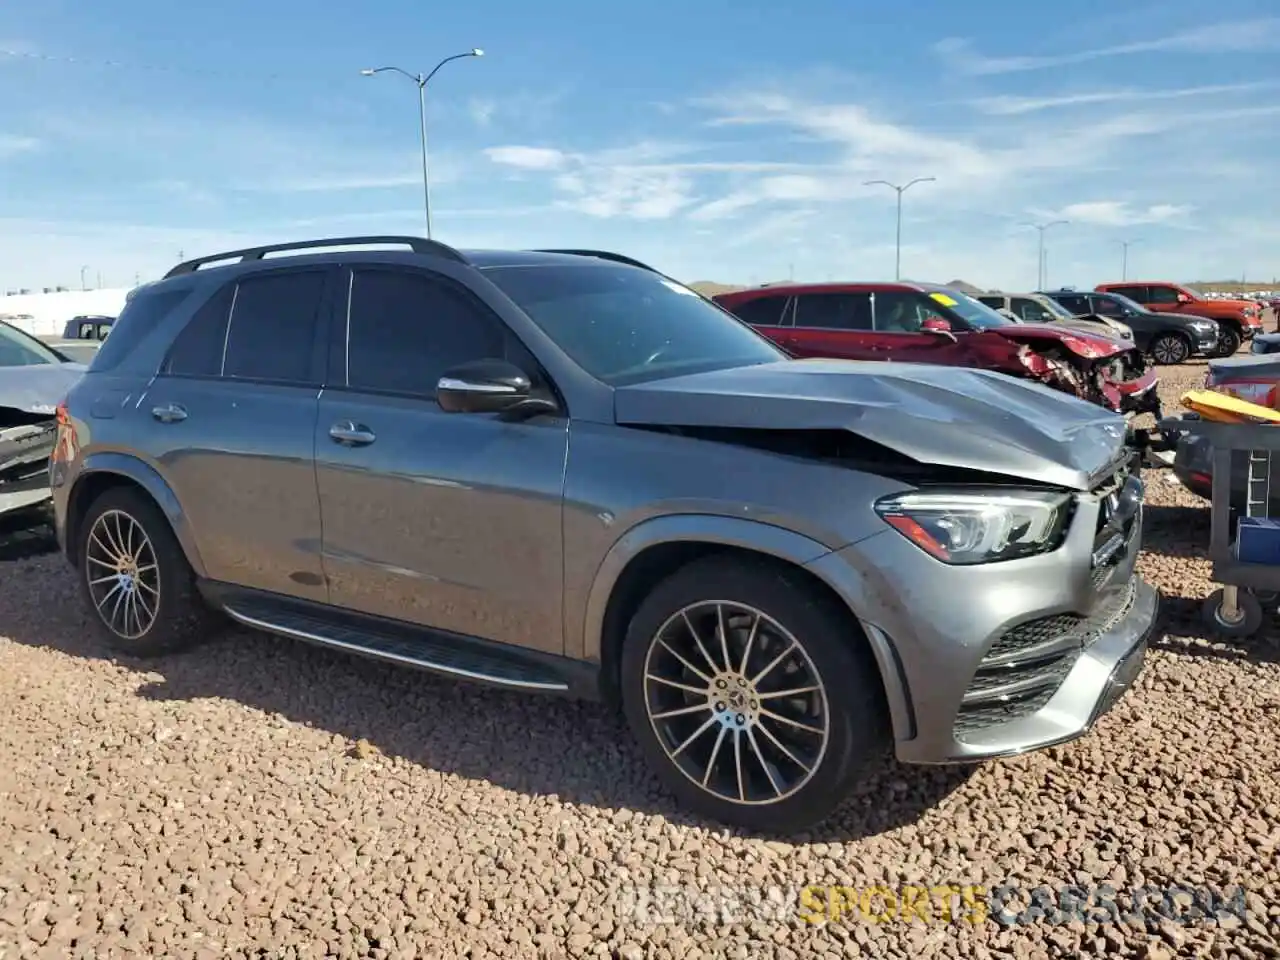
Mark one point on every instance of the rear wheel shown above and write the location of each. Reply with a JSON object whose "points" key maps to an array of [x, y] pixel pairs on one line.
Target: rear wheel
{"points": [[749, 694], [1170, 348], [136, 579]]}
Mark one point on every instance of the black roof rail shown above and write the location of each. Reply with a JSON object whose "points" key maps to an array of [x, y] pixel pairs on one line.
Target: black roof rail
{"points": [[606, 255], [416, 244]]}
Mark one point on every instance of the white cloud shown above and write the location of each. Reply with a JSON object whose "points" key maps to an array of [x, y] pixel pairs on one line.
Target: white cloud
{"points": [[1115, 213], [527, 158], [1005, 106], [1235, 36]]}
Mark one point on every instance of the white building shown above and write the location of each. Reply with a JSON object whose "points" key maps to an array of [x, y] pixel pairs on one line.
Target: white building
{"points": [[46, 314]]}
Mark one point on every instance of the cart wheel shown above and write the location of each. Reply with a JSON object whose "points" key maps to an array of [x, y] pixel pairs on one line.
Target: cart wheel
{"points": [[1248, 618]]}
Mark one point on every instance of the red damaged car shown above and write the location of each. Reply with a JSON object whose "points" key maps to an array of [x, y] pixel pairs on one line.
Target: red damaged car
{"points": [[923, 323]]}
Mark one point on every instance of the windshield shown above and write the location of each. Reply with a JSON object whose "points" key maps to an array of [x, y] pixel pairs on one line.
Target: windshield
{"points": [[624, 325], [975, 314], [20, 349]]}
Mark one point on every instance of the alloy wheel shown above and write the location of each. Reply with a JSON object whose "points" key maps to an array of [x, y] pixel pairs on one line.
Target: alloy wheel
{"points": [[122, 574], [1170, 350], [736, 702]]}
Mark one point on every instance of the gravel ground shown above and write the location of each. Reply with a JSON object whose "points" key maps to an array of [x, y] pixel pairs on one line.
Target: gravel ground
{"points": [[260, 798]]}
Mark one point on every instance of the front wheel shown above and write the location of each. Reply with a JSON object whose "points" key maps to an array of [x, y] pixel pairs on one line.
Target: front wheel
{"points": [[751, 695], [1228, 340], [1170, 348]]}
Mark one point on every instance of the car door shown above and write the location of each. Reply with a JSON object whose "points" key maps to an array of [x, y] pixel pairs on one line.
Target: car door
{"points": [[230, 420], [1138, 293], [834, 324], [445, 520], [898, 317], [1164, 298]]}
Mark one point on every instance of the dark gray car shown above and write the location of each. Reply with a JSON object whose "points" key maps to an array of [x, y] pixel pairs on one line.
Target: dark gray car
{"points": [[566, 472]]}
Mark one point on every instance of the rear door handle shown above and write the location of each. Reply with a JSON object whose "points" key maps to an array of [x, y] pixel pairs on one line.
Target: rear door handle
{"points": [[351, 434], [169, 412]]}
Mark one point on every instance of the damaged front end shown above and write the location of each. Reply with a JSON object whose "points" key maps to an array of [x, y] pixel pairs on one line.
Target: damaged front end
{"points": [[1121, 382], [26, 442]]}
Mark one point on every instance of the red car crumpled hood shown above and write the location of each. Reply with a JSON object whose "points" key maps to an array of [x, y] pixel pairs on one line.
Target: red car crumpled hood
{"points": [[1091, 345]]}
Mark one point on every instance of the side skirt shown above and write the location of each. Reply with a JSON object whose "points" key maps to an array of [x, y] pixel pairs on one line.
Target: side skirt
{"points": [[406, 644]]}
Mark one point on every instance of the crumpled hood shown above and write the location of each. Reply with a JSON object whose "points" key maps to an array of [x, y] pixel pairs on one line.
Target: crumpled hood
{"points": [[38, 388], [945, 416], [1082, 342]]}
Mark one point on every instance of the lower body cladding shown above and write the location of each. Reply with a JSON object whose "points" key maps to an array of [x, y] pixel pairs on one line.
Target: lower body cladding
{"points": [[1000, 659]]}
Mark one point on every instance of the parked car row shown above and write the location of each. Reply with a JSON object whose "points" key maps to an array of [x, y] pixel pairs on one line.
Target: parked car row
{"points": [[922, 323], [1238, 320], [562, 471]]}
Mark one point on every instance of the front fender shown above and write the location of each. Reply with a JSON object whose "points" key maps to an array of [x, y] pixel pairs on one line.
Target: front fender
{"points": [[146, 476], [684, 528]]}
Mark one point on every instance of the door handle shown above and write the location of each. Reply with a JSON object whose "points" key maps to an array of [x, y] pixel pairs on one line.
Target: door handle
{"points": [[169, 412], [352, 434]]}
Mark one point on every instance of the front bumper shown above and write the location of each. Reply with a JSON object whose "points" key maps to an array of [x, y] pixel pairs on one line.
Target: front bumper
{"points": [[1204, 344], [1141, 395], [1036, 652]]}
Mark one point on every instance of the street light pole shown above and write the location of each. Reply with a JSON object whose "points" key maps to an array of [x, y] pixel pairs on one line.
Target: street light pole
{"points": [[421, 80], [1124, 263], [1042, 227], [900, 190]]}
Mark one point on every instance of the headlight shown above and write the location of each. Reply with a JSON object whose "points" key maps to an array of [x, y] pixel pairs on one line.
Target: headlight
{"points": [[960, 527], [1203, 326]]}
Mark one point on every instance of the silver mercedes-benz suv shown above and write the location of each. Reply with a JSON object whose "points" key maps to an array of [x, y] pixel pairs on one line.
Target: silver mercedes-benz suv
{"points": [[564, 471]]}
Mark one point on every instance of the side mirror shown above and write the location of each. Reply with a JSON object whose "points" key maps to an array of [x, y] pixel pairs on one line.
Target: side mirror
{"points": [[938, 327], [1183, 298], [488, 386]]}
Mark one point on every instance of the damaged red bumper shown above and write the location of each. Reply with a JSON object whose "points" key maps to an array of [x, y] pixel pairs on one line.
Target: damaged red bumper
{"points": [[1121, 382]]}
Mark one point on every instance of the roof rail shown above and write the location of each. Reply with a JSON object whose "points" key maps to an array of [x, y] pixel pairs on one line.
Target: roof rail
{"points": [[416, 244], [606, 255]]}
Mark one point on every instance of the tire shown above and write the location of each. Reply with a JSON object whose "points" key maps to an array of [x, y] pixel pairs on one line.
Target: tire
{"points": [[839, 686], [1170, 349], [1228, 340], [1250, 621], [161, 610]]}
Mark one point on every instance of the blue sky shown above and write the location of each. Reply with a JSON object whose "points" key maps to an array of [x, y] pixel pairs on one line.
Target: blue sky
{"points": [[717, 140]]}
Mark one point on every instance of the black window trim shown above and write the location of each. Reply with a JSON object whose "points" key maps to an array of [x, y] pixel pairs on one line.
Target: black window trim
{"points": [[786, 315], [316, 373], [339, 350], [794, 308]]}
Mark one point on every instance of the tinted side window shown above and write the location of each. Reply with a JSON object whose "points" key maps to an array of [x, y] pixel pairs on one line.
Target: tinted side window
{"points": [[273, 325], [834, 311], [1079, 305], [1106, 307], [1138, 294], [197, 350], [762, 311], [1162, 295], [904, 311], [141, 314], [995, 303], [407, 329], [1030, 311]]}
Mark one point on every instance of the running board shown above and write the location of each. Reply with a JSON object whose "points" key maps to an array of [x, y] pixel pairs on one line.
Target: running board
{"points": [[404, 644]]}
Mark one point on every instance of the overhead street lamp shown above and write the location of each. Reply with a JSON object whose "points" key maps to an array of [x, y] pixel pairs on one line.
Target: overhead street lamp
{"points": [[900, 190], [1041, 228], [421, 80], [1124, 263]]}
